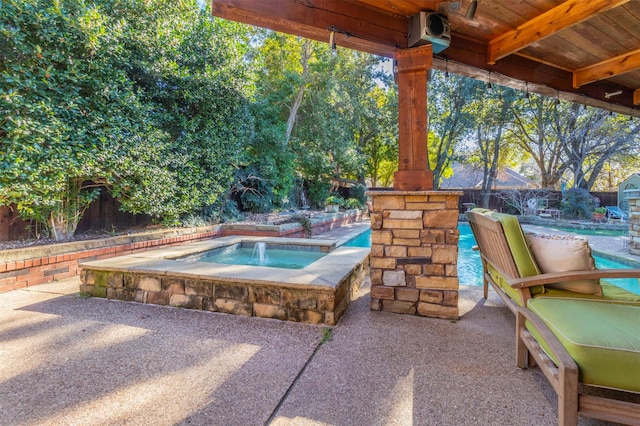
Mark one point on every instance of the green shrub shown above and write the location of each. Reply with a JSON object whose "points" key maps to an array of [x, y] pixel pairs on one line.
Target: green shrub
{"points": [[358, 192], [333, 200], [577, 203], [318, 192], [352, 203]]}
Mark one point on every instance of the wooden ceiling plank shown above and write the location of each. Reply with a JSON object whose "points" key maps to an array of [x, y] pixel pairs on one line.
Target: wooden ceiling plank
{"points": [[607, 68], [560, 17]]}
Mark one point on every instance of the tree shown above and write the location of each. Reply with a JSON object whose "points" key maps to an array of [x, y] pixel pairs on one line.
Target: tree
{"points": [[492, 116], [178, 57], [282, 65], [64, 107], [592, 136], [449, 120], [345, 116], [379, 145], [536, 132]]}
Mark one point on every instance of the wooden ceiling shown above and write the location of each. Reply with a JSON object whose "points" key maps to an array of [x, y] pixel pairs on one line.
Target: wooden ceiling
{"points": [[585, 51]]}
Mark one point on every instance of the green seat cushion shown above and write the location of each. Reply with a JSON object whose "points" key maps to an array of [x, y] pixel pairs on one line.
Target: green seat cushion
{"points": [[602, 338], [610, 294]]}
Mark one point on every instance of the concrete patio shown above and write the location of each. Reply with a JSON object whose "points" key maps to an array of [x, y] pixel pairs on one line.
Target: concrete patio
{"points": [[69, 360]]}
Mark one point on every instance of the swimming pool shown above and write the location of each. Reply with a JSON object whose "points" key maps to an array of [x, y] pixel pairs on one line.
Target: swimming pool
{"points": [[470, 265]]}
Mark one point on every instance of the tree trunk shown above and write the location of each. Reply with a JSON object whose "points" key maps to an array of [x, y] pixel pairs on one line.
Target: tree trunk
{"points": [[61, 228], [293, 113]]}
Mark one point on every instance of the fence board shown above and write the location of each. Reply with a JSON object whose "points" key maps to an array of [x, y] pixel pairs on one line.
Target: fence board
{"points": [[104, 214]]}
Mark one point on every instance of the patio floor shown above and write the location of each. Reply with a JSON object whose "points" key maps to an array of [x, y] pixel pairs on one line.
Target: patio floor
{"points": [[69, 360]]}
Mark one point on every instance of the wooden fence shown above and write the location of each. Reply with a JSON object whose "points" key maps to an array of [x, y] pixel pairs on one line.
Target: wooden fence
{"points": [[104, 214], [474, 196]]}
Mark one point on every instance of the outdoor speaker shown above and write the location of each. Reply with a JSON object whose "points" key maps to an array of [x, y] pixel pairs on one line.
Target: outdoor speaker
{"points": [[429, 27]]}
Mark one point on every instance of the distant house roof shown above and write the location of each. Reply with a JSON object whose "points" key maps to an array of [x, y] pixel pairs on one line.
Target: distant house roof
{"points": [[467, 176]]}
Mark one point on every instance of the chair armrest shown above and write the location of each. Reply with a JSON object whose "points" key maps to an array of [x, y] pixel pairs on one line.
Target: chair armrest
{"points": [[557, 277], [562, 357]]}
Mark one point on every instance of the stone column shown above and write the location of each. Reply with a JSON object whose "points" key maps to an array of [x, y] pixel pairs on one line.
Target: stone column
{"points": [[634, 224], [414, 252]]}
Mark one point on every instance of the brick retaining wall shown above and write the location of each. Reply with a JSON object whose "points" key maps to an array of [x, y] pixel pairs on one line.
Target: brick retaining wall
{"points": [[31, 266]]}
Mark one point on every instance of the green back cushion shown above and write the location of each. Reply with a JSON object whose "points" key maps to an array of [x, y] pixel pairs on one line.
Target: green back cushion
{"points": [[524, 260], [602, 338], [522, 256]]}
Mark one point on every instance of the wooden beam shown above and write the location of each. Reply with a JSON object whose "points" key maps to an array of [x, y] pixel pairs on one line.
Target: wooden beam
{"points": [[636, 97], [365, 29], [413, 160], [567, 14], [607, 68], [468, 58]]}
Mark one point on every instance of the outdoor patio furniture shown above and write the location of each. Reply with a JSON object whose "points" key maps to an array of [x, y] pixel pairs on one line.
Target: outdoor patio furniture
{"points": [[616, 213], [582, 341]]}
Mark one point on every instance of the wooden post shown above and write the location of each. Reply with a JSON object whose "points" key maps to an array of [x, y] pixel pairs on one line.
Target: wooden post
{"points": [[413, 160]]}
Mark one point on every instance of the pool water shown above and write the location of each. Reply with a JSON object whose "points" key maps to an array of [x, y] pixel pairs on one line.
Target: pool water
{"points": [[275, 258], [470, 264]]}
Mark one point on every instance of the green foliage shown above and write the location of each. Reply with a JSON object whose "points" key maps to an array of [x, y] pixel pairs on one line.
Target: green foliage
{"points": [[334, 200], [318, 192], [352, 203], [118, 93], [359, 193], [577, 203], [453, 103], [65, 107]]}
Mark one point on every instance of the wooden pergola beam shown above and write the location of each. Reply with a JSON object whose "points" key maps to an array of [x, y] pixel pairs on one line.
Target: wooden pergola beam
{"points": [[567, 14], [607, 68], [636, 97], [359, 28]]}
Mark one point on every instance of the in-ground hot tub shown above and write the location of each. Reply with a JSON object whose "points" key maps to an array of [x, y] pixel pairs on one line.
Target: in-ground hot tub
{"points": [[317, 293]]}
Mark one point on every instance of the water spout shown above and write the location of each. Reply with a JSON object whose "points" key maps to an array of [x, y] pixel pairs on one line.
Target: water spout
{"points": [[260, 253]]}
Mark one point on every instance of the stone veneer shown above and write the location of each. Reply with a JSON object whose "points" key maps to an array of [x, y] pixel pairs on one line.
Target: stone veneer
{"points": [[316, 294], [634, 226], [414, 252]]}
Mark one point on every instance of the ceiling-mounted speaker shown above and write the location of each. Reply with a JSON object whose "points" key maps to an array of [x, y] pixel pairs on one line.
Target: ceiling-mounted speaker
{"points": [[429, 27]]}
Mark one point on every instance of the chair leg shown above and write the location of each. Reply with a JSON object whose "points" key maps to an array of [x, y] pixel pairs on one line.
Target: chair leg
{"points": [[522, 353], [568, 397]]}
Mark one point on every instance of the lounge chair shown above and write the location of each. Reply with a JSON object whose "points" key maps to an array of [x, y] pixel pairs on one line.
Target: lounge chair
{"points": [[580, 341], [616, 213]]}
